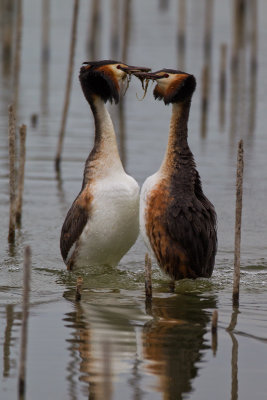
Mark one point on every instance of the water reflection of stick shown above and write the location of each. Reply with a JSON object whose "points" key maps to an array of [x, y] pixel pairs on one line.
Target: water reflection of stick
{"points": [[238, 217], [148, 281], [68, 85], [12, 192], [22, 132], [214, 339], [24, 327], [79, 283]]}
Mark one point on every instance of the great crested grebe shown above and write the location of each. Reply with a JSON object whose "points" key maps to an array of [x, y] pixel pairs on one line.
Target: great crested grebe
{"points": [[103, 221], [177, 221]]}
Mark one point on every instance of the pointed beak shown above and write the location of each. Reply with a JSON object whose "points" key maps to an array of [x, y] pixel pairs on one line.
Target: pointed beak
{"points": [[129, 69], [148, 75]]}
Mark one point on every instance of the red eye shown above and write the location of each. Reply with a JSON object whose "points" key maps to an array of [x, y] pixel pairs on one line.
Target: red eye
{"points": [[166, 75], [118, 66]]}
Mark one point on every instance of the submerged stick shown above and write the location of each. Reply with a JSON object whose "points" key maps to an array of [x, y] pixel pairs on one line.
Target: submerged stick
{"points": [[79, 283], [238, 218], [68, 85], [24, 327], [12, 157], [22, 132], [148, 282]]}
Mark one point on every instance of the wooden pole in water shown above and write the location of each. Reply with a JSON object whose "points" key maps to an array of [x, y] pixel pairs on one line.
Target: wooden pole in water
{"points": [[94, 29], [22, 132], [17, 55], [114, 44], [238, 218], [24, 327], [7, 24], [68, 85], [12, 157], [127, 18], [181, 34], [148, 281], [222, 83], [205, 99]]}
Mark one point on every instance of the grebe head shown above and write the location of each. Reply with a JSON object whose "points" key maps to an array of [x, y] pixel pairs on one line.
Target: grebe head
{"points": [[106, 78], [172, 86]]}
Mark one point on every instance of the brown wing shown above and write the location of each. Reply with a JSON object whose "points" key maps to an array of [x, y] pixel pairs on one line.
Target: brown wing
{"points": [[73, 226], [182, 233]]}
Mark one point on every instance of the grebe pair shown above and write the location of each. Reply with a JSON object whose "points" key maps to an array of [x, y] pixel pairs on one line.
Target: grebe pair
{"points": [[177, 221]]}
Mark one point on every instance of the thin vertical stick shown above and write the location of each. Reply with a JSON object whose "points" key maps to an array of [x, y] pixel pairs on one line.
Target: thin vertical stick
{"points": [[205, 99], [7, 25], [114, 29], [45, 55], [68, 84], [79, 283], [254, 37], [181, 34], [24, 327], [22, 132], [222, 84], [208, 30], [148, 282], [93, 42], [238, 217], [17, 55], [126, 29], [12, 156]]}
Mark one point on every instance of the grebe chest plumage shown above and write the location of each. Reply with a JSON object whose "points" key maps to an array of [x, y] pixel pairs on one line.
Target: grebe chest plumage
{"points": [[103, 221], [177, 221]]}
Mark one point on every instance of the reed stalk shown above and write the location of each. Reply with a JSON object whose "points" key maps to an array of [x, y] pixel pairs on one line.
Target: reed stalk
{"points": [[238, 219], [68, 85], [12, 178], [22, 132]]}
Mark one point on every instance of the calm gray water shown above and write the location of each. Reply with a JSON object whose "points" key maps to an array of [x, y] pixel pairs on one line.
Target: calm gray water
{"points": [[110, 345]]}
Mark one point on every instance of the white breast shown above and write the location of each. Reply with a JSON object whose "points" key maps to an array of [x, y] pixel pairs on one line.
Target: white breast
{"points": [[113, 225]]}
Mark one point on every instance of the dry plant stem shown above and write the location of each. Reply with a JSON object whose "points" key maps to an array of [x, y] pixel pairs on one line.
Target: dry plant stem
{"points": [[12, 194], [24, 327], [94, 29], [126, 29], [22, 132], [222, 83], [148, 282], [17, 54], [68, 84], [79, 283], [181, 34], [115, 29], [238, 217]]}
